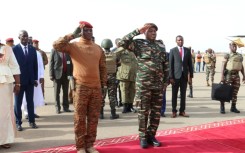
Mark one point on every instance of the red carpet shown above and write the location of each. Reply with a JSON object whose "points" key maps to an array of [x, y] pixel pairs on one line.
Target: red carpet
{"points": [[217, 137]]}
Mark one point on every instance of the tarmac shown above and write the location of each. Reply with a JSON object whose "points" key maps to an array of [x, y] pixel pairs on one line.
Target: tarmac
{"points": [[57, 129]]}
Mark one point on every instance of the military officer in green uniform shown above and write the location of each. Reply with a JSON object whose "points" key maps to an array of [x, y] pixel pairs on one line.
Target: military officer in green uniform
{"points": [[210, 60], [111, 66], [231, 67], [151, 79], [126, 74]]}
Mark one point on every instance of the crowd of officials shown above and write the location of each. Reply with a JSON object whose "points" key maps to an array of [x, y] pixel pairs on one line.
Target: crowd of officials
{"points": [[141, 68]]}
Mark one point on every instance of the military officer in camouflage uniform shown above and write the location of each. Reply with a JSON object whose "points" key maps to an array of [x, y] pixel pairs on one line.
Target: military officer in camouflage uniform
{"points": [[111, 65], [210, 61], [126, 74], [231, 67], [151, 79]]}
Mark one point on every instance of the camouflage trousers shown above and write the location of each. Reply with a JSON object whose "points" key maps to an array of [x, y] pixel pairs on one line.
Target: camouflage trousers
{"points": [[210, 70], [86, 113], [111, 91], [150, 108], [234, 80], [127, 91]]}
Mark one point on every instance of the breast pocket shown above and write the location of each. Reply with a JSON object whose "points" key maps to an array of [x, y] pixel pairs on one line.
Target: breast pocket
{"points": [[146, 53]]}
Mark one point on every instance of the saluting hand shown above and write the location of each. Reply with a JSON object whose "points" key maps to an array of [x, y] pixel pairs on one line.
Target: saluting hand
{"points": [[77, 32], [145, 28]]}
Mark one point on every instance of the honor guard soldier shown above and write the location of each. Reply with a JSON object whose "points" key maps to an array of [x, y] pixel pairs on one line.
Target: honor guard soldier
{"points": [[126, 74], [111, 65], [231, 67], [210, 61]]}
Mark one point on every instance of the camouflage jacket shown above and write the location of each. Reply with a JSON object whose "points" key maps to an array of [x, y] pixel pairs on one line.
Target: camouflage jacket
{"points": [[212, 58], [152, 60]]}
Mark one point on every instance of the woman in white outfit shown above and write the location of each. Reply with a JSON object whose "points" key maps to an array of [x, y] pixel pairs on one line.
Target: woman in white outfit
{"points": [[9, 83]]}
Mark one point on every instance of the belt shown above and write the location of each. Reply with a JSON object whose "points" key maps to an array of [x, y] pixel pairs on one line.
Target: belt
{"points": [[233, 72]]}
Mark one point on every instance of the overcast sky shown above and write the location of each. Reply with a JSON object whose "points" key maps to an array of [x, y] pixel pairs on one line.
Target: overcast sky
{"points": [[203, 23]]}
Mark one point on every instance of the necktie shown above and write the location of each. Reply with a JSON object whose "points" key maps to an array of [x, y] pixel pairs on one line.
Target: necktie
{"points": [[180, 52], [26, 54], [64, 62]]}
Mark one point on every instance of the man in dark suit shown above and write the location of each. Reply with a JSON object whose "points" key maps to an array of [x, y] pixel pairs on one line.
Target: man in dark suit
{"points": [[180, 64], [27, 59], [60, 69]]}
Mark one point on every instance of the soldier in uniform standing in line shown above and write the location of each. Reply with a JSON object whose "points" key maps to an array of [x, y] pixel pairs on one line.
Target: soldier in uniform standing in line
{"points": [[231, 67], [111, 66], [119, 97], [151, 79], [126, 75], [214, 59], [210, 61]]}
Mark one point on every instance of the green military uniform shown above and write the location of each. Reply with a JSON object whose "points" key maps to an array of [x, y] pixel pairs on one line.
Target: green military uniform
{"points": [[111, 66], [210, 61], [126, 74], [151, 77], [233, 66]]}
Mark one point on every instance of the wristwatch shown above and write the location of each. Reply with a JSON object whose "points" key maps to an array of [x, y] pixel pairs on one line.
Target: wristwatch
{"points": [[17, 84]]}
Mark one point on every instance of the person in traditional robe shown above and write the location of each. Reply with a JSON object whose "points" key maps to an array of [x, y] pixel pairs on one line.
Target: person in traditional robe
{"points": [[9, 73], [38, 93]]}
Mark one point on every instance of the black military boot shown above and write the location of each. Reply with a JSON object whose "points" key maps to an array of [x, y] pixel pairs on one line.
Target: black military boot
{"points": [[191, 93], [222, 107], [120, 104], [153, 141], [125, 106], [102, 113], [234, 109], [131, 108], [143, 143], [114, 115]]}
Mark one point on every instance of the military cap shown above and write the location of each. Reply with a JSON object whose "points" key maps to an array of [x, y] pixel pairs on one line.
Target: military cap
{"points": [[35, 41], [152, 25], [85, 24], [210, 49], [9, 39]]}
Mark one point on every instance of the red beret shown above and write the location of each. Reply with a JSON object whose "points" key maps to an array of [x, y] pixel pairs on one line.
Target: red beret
{"points": [[9, 39], [85, 24], [35, 40]]}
